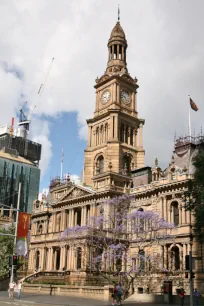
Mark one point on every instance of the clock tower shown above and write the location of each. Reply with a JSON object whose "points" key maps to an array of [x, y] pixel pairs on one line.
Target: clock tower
{"points": [[115, 132]]}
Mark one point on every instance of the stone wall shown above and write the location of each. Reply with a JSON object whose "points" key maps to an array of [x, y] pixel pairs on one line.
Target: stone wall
{"points": [[101, 293]]}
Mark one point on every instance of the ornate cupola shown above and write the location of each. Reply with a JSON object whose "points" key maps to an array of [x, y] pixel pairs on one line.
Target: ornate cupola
{"points": [[117, 46], [115, 145]]}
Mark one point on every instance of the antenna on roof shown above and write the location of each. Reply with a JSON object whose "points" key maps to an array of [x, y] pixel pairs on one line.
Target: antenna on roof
{"points": [[118, 12]]}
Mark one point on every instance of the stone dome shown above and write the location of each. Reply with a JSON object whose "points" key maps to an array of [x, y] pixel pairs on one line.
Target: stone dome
{"points": [[117, 33]]}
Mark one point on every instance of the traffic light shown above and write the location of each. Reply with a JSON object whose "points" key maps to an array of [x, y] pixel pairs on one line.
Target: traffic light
{"points": [[187, 262], [192, 275], [10, 261], [15, 260]]}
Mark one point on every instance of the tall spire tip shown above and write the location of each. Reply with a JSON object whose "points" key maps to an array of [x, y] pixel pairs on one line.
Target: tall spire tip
{"points": [[118, 12]]}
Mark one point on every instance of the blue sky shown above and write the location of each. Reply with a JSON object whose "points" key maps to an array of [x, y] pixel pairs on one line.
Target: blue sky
{"points": [[64, 134]]}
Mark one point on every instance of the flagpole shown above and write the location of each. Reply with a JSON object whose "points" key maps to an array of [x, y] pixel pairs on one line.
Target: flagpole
{"points": [[189, 115], [62, 159]]}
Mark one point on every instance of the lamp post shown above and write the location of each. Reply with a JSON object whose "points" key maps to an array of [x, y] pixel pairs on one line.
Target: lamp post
{"points": [[16, 230]]}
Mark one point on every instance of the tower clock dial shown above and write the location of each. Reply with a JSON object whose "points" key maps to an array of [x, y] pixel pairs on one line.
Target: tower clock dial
{"points": [[124, 97], [105, 96]]}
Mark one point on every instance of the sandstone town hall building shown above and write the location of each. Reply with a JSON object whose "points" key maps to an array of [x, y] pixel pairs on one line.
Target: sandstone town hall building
{"points": [[114, 165]]}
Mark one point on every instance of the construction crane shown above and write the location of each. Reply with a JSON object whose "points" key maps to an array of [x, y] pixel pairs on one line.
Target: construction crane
{"points": [[24, 121]]}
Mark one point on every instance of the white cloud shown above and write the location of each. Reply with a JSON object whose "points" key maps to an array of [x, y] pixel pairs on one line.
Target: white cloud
{"points": [[45, 192], [165, 52]]}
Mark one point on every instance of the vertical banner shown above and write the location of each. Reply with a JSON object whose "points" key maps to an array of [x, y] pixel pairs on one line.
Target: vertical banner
{"points": [[22, 234]]}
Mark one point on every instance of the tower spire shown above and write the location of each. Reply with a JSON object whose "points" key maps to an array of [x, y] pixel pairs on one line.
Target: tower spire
{"points": [[119, 12]]}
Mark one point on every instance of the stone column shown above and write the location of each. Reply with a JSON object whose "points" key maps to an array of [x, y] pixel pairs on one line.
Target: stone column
{"points": [[36, 226], [135, 138], [62, 253], [51, 259], [118, 93], [42, 254], [134, 101], [72, 218], [68, 258], [47, 259], [117, 51], [85, 215], [180, 214], [141, 136], [184, 256], [89, 136], [165, 208], [169, 215], [129, 131], [94, 138], [75, 218], [30, 260], [82, 216], [114, 92], [116, 127], [53, 222], [123, 54], [112, 56], [188, 217], [165, 257], [124, 133]]}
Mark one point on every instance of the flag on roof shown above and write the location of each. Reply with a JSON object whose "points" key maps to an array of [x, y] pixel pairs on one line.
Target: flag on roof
{"points": [[193, 105]]}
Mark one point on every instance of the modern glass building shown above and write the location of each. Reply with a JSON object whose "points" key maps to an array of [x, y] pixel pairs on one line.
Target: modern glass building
{"points": [[15, 169]]}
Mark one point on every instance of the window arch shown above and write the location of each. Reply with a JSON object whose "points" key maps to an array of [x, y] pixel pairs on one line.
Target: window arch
{"points": [[79, 258], [37, 263], [175, 210], [141, 222], [100, 164], [175, 258], [127, 162], [141, 260]]}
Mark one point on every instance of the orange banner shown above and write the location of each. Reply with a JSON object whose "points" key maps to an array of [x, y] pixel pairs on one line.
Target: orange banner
{"points": [[23, 224]]}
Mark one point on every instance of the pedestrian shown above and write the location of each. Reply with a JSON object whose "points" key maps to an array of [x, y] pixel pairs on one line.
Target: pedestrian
{"points": [[114, 296], [11, 290], [196, 295], [119, 293], [182, 296], [19, 289]]}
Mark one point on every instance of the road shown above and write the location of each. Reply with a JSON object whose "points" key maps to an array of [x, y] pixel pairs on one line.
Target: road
{"points": [[47, 300]]}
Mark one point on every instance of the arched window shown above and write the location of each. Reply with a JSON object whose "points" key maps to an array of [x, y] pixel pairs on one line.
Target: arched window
{"points": [[141, 222], [142, 260], [175, 208], [175, 258], [100, 164], [78, 258], [37, 263], [127, 163]]}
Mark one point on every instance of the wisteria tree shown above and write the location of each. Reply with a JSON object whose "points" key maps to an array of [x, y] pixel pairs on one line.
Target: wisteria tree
{"points": [[110, 238]]}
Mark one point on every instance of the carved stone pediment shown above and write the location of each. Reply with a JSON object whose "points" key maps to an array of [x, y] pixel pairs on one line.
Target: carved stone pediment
{"points": [[75, 192]]}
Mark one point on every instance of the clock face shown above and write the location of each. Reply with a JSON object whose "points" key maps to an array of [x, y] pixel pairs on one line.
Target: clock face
{"points": [[105, 96], [124, 97]]}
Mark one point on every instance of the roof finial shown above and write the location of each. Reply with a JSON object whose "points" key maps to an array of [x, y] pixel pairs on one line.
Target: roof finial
{"points": [[118, 12]]}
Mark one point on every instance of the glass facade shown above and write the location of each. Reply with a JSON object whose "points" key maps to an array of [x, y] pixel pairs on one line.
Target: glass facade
{"points": [[13, 172]]}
